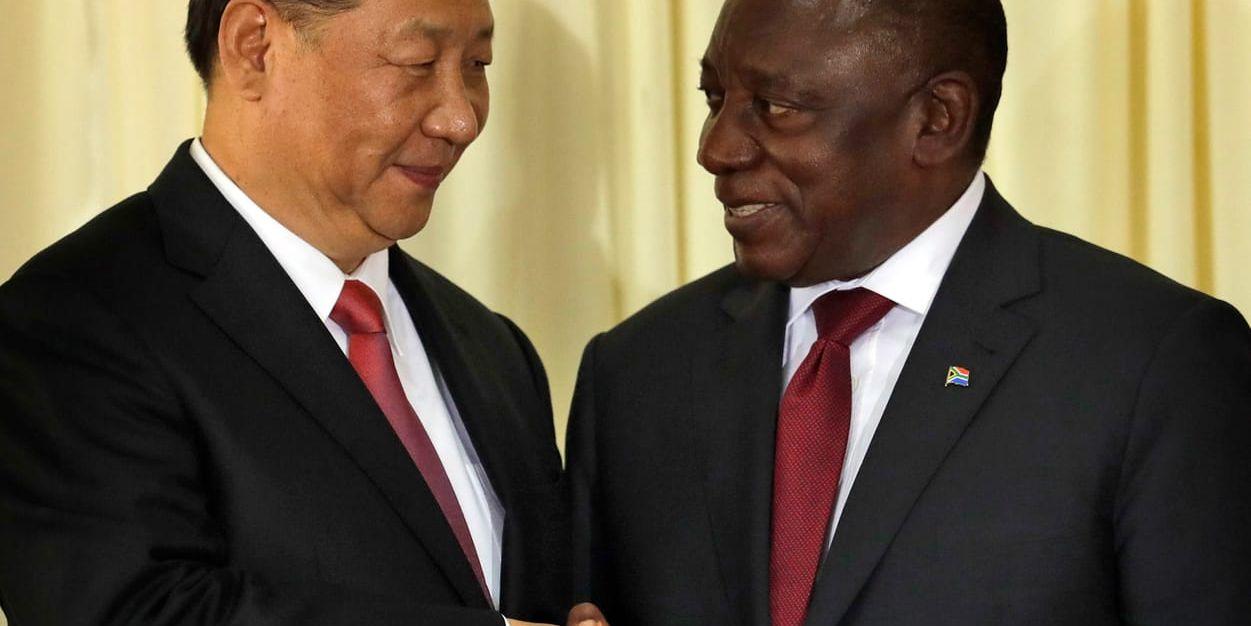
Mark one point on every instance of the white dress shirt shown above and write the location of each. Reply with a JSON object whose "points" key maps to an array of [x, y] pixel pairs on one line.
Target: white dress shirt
{"points": [[909, 278], [321, 281]]}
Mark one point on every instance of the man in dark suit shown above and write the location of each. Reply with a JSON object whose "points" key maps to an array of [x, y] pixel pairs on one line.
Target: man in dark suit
{"points": [[904, 403], [231, 399]]}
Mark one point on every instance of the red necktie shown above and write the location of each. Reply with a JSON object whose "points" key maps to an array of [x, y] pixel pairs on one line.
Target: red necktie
{"points": [[813, 424], [359, 313]]}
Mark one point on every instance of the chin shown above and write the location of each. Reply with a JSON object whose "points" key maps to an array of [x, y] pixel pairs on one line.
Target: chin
{"points": [[400, 221], [761, 263]]}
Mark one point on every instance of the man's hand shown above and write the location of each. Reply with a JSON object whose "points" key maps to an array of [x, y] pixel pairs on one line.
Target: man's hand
{"points": [[586, 614]]}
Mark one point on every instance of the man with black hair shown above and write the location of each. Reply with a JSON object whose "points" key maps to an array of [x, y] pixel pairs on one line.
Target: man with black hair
{"points": [[231, 399], [903, 403]]}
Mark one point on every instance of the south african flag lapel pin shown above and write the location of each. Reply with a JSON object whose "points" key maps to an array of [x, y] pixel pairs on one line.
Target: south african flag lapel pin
{"points": [[958, 376]]}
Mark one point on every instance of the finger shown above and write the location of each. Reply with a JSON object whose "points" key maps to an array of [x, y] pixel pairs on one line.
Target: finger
{"points": [[586, 614]]}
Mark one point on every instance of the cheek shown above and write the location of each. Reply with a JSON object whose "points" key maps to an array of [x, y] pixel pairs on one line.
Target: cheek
{"points": [[368, 130], [382, 119], [812, 171]]}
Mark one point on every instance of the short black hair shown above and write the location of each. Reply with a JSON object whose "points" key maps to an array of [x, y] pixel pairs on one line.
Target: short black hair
{"points": [[204, 19], [967, 35]]}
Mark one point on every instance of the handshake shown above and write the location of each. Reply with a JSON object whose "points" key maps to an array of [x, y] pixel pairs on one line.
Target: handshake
{"points": [[585, 614]]}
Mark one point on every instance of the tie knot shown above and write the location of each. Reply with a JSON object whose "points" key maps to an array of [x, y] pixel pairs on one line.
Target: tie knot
{"points": [[358, 311], [844, 315]]}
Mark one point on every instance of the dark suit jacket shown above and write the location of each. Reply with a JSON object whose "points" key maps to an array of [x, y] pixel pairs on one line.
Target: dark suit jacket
{"points": [[1094, 472], [184, 443]]}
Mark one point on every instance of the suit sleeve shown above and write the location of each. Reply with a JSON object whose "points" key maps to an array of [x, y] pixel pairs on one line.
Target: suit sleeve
{"points": [[581, 471], [106, 503], [539, 376], [1183, 509], [542, 517]]}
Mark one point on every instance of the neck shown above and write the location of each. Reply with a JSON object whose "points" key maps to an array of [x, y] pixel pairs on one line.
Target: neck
{"points": [[234, 147]]}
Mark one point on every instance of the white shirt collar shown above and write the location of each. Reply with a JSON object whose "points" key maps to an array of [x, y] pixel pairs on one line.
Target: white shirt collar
{"points": [[910, 278], [314, 274]]}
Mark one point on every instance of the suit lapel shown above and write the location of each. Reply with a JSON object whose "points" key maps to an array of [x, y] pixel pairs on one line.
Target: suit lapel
{"points": [[737, 431], [490, 415], [967, 326], [248, 295]]}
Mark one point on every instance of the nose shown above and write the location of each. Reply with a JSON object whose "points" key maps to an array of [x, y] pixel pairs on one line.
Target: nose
{"points": [[454, 116], [724, 146]]}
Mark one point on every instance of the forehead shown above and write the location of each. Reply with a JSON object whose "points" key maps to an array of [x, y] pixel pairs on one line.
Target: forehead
{"points": [[792, 38], [400, 20], [816, 51]]}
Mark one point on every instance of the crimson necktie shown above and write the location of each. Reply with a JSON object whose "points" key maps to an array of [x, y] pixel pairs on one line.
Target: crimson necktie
{"points": [[359, 313], [813, 423]]}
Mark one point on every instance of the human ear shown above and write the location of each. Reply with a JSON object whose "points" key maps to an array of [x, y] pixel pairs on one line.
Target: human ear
{"points": [[947, 108], [243, 42]]}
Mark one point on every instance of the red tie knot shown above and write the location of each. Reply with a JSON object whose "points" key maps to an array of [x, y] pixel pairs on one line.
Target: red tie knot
{"points": [[843, 315], [358, 311]]}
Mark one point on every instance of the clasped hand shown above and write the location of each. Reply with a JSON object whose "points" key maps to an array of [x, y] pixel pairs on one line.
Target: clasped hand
{"points": [[585, 614]]}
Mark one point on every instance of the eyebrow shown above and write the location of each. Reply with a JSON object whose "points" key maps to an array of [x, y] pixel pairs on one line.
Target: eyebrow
{"points": [[428, 30], [761, 79]]}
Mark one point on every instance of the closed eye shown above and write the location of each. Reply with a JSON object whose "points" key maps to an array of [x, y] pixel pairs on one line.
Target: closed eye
{"points": [[712, 97], [421, 68]]}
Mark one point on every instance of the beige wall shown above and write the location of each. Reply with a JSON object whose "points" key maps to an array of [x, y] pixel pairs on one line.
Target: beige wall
{"points": [[1126, 122]]}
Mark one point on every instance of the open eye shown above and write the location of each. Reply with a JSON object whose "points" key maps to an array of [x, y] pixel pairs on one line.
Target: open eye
{"points": [[769, 108]]}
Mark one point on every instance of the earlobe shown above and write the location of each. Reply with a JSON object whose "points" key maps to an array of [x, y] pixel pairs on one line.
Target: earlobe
{"points": [[243, 43], [949, 110]]}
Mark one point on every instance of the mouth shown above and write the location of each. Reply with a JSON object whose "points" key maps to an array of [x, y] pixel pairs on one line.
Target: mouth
{"points": [[752, 220], [748, 210], [426, 177]]}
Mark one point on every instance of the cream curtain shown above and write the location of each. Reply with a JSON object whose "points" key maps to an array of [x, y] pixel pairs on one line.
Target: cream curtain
{"points": [[1126, 122]]}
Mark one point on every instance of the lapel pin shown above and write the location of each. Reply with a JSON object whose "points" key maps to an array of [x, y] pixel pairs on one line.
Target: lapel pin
{"points": [[958, 376]]}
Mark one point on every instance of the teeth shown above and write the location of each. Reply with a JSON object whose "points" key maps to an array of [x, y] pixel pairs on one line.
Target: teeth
{"points": [[747, 209]]}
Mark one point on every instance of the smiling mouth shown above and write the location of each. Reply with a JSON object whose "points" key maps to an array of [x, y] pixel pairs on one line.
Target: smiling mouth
{"points": [[748, 210]]}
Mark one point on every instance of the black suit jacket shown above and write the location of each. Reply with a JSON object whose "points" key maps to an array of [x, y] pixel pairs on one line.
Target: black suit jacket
{"points": [[1094, 472], [184, 443]]}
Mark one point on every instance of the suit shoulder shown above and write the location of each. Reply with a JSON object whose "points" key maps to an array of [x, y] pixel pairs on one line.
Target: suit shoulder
{"points": [[115, 243], [1081, 271], [680, 311]]}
